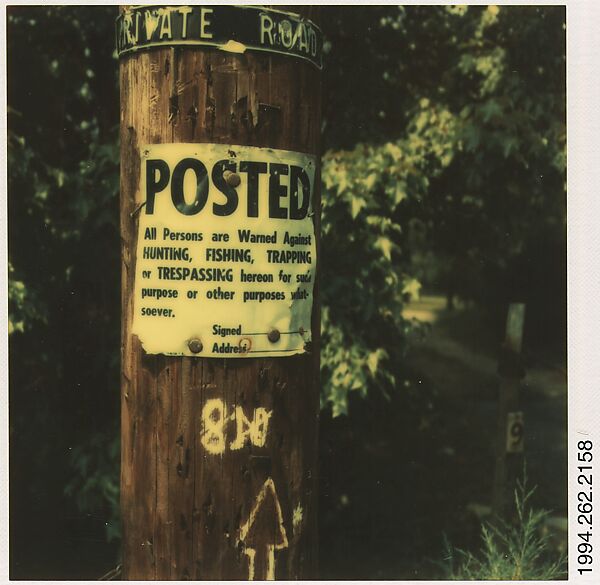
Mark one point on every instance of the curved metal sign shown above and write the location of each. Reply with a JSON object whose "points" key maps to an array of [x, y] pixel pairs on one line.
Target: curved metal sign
{"points": [[233, 29]]}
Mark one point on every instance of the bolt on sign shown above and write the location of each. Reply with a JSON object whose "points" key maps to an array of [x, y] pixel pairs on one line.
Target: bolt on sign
{"points": [[229, 28], [226, 251]]}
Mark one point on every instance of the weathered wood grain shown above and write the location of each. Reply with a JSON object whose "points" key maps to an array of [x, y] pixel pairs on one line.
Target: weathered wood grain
{"points": [[182, 507]]}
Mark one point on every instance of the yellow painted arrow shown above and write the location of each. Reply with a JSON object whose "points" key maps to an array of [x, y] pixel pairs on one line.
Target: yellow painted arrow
{"points": [[264, 532]]}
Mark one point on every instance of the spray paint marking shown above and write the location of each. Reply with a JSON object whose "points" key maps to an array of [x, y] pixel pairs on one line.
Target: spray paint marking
{"points": [[251, 554], [273, 534], [255, 429], [297, 517], [214, 421]]}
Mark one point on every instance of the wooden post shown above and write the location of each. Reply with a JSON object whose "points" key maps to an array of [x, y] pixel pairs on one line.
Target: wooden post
{"points": [[249, 513], [509, 436]]}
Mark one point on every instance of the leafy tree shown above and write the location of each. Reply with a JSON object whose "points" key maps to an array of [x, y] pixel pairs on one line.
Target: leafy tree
{"points": [[64, 264], [367, 192], [491, 226]]}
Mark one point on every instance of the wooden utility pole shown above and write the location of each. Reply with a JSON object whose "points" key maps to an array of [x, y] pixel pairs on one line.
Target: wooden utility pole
{"points": [[240, 503], [510, 426]]}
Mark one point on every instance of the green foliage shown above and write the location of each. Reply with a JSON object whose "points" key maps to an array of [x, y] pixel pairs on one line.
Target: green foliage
{"points": [[511, 552], [63, 244], [24, 308], [491, 227], [366, 192], [500, 207], [95, 485]]}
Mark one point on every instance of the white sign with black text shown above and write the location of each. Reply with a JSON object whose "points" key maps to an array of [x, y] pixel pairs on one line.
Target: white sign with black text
{"points": [[226, 251]]}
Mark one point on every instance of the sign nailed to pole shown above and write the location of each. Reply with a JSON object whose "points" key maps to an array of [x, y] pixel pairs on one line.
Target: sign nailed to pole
{"points": [[230, 28], [218, 250], [226, 251]]}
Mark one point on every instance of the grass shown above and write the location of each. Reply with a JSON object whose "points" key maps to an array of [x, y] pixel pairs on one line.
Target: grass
{"points": [[511, 551]]}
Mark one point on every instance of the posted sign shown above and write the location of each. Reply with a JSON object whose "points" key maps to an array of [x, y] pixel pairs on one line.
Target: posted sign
{"points": [[226, 251]]}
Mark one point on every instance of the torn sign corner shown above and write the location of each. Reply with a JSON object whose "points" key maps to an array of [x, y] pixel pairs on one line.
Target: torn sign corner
{"points": [[232, 46]]}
